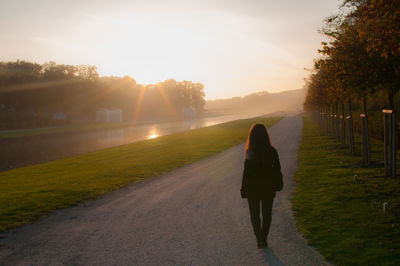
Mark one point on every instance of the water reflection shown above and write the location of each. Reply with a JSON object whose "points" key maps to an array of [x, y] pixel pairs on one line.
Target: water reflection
{"points": [[111, 138], [195, 123], [152, 134]]}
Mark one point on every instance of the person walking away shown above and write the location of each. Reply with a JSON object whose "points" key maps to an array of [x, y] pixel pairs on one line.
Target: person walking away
{"points": [[262, 178]]}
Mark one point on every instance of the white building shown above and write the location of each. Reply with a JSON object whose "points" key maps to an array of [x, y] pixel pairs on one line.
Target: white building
{"points": [[108, 115], [59, 116], [190, 112]]}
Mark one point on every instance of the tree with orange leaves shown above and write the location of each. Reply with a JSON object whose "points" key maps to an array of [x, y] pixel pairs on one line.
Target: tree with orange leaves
{"points": [[377, 23]]}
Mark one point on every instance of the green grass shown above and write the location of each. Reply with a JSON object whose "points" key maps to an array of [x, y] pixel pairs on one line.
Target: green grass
{"points": [[31, 192], [343, 219]]}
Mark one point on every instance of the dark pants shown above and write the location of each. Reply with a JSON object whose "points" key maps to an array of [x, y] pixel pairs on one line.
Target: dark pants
{"points": [[261, 230]]}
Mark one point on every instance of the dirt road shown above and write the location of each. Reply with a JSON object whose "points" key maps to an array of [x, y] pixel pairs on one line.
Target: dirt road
{"points": [[193, 215]]}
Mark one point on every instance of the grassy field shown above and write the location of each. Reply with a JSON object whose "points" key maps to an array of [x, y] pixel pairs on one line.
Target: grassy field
{"points": [[31, 192], [343, 218]]}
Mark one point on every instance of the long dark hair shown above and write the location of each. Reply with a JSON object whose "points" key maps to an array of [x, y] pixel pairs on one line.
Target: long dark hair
{"points": [[258, 142]]}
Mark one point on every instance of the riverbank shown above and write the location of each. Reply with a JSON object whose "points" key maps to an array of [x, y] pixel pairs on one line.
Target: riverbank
{"points": [[16, 133], [343, 218], [31, 192], [44, 146], [93, 126]]}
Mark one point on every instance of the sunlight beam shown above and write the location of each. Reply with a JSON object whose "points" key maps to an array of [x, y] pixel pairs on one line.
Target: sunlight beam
{"points": [[138, 104], [165, 98]]}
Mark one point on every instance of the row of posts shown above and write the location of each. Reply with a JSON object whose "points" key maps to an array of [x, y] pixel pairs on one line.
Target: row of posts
{"points": [[331, 124]]}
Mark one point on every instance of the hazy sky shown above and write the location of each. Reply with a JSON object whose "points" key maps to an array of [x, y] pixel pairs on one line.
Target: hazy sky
{"points": [[234, 47]]}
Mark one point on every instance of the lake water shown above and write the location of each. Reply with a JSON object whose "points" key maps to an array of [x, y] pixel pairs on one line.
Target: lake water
{"points": [[22, 151]]}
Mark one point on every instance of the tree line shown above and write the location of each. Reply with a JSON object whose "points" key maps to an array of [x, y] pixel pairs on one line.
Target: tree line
{"points": [[30, 93], [362, 58], [358, 71], [261, 102]]}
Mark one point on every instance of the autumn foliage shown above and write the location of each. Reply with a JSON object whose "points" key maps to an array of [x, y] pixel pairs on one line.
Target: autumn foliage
{"points": [[362, 58]]}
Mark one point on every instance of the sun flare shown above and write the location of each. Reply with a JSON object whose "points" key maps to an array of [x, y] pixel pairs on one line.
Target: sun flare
{"points": [[153, 134]]}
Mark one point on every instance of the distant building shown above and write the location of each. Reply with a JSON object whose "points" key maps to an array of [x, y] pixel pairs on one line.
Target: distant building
{"points": [[188, 111], [59, 116], [108, 115]]}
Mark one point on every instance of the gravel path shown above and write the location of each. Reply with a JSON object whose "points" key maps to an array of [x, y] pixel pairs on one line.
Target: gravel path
{"points": [[193, 215]]}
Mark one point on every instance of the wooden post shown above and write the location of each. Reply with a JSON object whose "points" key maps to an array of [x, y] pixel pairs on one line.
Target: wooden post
{"points": [[394, 144], [342, 119], [385, 142], [337, 128], [336, 121], [390, 140], [351, 132], [367, 144], [363, 138], [321, 120], [343, 126], [333, 122], [365, 141], [326, 122], [351, 136], [337, 132]]}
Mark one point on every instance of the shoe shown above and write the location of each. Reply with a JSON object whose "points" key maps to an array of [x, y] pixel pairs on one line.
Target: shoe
{"points": [[264, 237], [261, 243]]}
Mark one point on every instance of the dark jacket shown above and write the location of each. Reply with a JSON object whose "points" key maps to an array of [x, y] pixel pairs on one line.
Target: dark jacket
{"points": [[262, 178]]}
